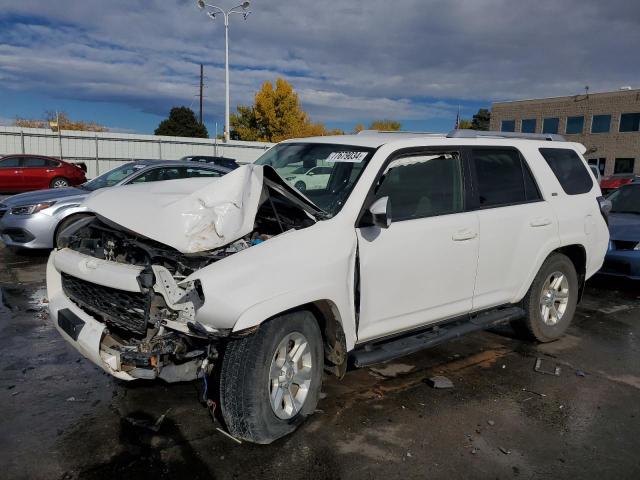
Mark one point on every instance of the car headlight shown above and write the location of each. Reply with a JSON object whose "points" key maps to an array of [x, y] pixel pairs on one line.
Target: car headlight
{"points": [[30, 209]]}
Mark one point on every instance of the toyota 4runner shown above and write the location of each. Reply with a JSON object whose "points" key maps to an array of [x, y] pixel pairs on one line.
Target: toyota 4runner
{"points": [[410, 240]]}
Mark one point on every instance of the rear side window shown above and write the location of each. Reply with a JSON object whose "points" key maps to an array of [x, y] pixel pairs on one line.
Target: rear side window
{"points": [[38, 162], [424, 185], [503, 178], [568, 169]]}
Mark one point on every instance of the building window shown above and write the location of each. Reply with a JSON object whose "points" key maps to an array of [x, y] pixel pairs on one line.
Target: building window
{"points": [[550, 125], [600, 163], [575, 125], [508, 126], [529, 126], [624, 165], [630, 122], [601, 124]]}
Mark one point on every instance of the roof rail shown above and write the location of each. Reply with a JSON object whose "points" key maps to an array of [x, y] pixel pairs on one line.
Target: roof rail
{"points": [[399, 132], [464, 133]]}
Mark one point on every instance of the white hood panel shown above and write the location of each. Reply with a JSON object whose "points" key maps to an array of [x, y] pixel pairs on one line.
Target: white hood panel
{"points": [[190, 215]]}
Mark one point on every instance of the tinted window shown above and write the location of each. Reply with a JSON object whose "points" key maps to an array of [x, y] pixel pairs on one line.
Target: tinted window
{"points": [[502, 178], [624, 165], [201, 172], [529, 126], [39, 162], [630, 122], [575, 125], [508, 125], [550, 125], [569, 169], [601, 124], [10, 162], [425, 185], [626, 200], [160, 174]]}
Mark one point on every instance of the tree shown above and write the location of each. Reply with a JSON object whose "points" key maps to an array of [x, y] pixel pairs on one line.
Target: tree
{"points": [[63, 120], [182, 122], [385, 125], [465, 124], [481, 120], [276, 115]]}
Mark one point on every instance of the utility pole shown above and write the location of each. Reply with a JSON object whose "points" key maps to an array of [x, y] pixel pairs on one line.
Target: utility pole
{"points": [[201, 87]]}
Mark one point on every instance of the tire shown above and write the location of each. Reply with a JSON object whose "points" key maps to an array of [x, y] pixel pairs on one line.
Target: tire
{"points": [[246, 385], [301, 186], [534, 324], [59, 182], [64, 224]]}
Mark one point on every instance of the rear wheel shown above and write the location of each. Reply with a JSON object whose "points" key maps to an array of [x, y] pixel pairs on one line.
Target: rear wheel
{"points": [[550, 303], [59, 182], [270, 381], [301, 186]]}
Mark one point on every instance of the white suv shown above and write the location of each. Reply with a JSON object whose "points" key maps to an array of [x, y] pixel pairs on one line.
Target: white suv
{"points": [[413, 240]]}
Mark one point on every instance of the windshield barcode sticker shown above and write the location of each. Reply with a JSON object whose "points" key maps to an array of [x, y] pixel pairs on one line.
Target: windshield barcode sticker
{"points": [[351, 157]]}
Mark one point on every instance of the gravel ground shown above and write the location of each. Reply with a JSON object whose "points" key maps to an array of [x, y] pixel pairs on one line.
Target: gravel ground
{"points": [[64, 418]]}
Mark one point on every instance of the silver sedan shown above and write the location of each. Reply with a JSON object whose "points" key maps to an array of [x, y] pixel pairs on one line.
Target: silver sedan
{"points": [[33, 220]]}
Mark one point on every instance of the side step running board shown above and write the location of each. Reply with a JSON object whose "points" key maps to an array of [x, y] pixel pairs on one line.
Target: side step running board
{"points": [[399, 347]]}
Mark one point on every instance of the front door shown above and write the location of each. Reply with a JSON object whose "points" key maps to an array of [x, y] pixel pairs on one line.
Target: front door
{"points": [[422, 268], [11, 179]]}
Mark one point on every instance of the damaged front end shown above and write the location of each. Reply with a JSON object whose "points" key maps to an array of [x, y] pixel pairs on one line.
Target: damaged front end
{"points": [[124, 300]]}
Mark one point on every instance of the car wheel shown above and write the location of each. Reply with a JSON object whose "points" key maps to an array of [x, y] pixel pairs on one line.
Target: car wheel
{"points": [[66, 223], [301, 186], [270, 381], [550, 303], [59, 182]]}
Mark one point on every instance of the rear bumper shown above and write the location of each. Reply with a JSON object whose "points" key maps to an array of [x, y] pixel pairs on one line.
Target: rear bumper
{"points": [[622, 263]]}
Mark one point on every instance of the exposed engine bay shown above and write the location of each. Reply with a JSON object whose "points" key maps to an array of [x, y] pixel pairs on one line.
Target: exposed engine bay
{"points": [[153, 332]]}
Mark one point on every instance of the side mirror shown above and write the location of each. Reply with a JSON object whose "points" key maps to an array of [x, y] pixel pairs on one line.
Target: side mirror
{"points": [[378, 214]]}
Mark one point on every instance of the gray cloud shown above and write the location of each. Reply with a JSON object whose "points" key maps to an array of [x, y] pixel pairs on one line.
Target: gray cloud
{"points": [[348, 60]]}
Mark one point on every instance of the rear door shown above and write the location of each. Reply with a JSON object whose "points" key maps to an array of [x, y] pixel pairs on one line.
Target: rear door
{"points": [[38, 172], [516, 224], [11, 177]]}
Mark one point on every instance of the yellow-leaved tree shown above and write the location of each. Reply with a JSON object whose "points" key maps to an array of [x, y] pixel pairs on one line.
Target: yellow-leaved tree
{"points": [[276, 115]]}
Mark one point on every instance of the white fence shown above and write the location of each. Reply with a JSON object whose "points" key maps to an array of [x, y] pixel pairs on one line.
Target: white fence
{"points": [[104, 150]]}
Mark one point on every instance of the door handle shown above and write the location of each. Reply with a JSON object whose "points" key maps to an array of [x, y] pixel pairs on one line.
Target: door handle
{"points": [[462, 235], [17, 171], [540, 222]]}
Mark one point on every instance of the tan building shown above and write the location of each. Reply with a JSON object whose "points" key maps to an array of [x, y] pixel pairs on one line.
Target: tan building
{"points": [[608, 124]]}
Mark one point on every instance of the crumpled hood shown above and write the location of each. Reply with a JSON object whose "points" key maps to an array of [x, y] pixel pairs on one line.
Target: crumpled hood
{"points": [[190, 215], [624, 226]]}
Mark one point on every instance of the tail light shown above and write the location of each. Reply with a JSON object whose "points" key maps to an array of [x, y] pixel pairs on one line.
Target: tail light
{"points": [[605, 208]]}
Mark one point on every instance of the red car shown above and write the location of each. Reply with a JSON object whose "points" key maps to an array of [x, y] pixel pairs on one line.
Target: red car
{"points": [[616, 181], [21, 173]]}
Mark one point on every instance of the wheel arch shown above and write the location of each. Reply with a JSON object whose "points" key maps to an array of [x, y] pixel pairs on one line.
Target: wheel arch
{"points": [[64, 219], [577, 253]]}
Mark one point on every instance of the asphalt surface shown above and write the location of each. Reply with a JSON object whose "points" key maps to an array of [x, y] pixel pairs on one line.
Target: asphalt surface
{"points": [[62, 418]]}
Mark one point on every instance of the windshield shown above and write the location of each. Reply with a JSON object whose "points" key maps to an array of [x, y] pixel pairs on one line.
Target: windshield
{"points": [[112, 177], [329, 186], [626, 200]]}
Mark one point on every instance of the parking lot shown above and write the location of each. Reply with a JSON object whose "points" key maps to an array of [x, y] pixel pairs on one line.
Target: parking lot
{"points": [[63, 418]]}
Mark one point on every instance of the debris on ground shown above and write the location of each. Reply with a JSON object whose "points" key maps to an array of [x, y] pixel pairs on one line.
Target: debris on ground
{"points": [[148, 424], [74, 399], [439, 381], [535, 393], [580, 373], [474, 451], [229, 436], [541, 367], [491, 423], [506, 451]]}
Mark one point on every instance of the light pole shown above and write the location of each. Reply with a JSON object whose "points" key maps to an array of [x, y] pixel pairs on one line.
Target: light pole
{"points": [[213, 10]]}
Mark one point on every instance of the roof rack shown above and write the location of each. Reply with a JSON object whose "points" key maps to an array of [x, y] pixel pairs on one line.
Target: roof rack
{"points": [[399, 132], [464, 133]]}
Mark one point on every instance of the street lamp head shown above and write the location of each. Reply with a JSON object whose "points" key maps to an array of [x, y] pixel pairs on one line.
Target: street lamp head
{"points": [[245, 5], [200, 3]]}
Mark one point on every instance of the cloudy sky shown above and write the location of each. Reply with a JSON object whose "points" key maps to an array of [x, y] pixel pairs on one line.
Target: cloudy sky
{"points": [[125, 63]]}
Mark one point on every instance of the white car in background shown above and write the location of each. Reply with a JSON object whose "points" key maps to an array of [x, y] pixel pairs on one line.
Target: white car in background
{"points": [[304, 179]]}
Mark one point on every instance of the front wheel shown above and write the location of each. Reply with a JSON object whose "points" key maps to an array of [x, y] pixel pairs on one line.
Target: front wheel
{"points": [[301, 186], [270, 381], [550, 303]]}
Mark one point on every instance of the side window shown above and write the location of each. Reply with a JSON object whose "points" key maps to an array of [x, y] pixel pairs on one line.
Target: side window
{"points": [[11, 162], [568, 169], [503, 178], [159, 174], [35, 162], [201, 172], [424, 185]]}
